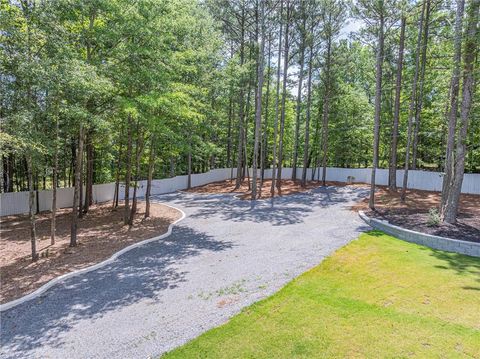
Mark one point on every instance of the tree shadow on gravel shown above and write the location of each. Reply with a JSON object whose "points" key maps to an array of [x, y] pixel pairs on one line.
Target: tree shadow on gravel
{"points": [[138, 275], [278, 211]]}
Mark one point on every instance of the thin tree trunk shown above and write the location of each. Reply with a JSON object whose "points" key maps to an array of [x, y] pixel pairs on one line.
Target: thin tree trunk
{"points": [[277, 100], [284, 99], [89, 175], [450, 209], [229, 131], [307, 117], [251, 88], [31, 204], [299, 103], [172, 167], [35, 187], [316, 140], [76, 191], [71, 167], [54, 186], [65, 164], [80, 192], [420, 91], [189, 170], [4, 177], [246, 157], [138, 157], [117, 176], [241, 104], [128, 173], [411, 111], [151, 163], [392, 173], [258, 110], [326, 109], [263, 150], [378, 107]]}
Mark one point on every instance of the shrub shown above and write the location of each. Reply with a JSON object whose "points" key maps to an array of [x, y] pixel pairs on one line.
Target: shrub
{"points": [[433, 217]]}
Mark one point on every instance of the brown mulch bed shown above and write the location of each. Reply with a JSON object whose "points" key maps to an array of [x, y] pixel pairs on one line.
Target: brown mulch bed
{"points": [[413, 214], [101, 233], [288, 187]]}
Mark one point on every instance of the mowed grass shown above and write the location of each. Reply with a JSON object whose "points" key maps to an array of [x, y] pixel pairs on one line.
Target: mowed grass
{"points": [[377, 297]]}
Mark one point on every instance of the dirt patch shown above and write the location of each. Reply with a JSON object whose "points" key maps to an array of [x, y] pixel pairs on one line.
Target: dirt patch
{"points": [[100, 234], [288, 187], [414, 213]]}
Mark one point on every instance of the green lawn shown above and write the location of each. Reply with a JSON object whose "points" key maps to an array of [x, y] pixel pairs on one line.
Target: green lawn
{"points": [[376, 297]]}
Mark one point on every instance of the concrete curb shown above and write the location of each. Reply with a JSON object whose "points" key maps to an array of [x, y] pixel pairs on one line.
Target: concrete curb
{"points": [[428, 240], [51, 283]]}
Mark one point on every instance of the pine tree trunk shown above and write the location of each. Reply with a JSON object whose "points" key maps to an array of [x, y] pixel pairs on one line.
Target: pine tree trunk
{"points": [[392, 173], [453, 113], [326, 108], [172, 167], [116, 194], [189, 170], [4, 175], [307, 117], [54, 186], [241, 105], [421, 83], [76, 191], [138, 157], [299, 105], [450, 209], [229, 131], [31, 208], [263, 150], [316, 140], [277, 102], [284, 99], [411, 111], [128, 174], [80, 192], [258, 109], [151, 163], [89, 175], [378, 107]]}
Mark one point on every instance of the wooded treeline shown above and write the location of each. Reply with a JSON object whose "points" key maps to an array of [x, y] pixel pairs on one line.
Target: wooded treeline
{"points": [[113, 90]]}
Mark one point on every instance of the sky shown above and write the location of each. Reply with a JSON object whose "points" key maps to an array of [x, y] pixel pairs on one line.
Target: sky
{"points": [[352, 25]]}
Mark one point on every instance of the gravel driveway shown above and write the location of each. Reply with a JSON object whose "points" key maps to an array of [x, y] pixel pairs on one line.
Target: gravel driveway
{"points": [[224, 255]]}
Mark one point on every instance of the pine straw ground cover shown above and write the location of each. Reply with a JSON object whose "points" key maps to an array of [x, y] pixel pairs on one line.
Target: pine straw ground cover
{"points": [[288, 187], [378, 297], [100, 234]]}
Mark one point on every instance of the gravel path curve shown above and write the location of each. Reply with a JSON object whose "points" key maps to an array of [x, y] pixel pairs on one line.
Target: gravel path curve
{"points": [[224, 255]]}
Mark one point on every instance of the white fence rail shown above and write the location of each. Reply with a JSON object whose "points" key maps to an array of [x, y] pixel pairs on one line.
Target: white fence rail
{"points": [[17, 202]]}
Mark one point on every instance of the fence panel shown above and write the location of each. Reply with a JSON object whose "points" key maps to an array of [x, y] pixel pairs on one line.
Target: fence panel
{"points": [[17, 202]]}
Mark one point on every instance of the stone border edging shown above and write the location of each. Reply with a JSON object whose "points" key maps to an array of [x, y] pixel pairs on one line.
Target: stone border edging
{"points": [[52, 282], [435, 242]]}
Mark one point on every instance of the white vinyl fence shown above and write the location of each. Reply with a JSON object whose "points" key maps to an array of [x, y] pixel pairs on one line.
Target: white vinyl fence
{"points": [[17, 202]]}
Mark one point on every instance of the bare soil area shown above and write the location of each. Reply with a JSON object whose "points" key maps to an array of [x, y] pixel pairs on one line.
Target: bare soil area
{"points": [[414, 213], [100, 234]]}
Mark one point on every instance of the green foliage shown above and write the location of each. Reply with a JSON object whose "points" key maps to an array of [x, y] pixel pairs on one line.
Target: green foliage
{"points": [[433, 217], [174, 67]]}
